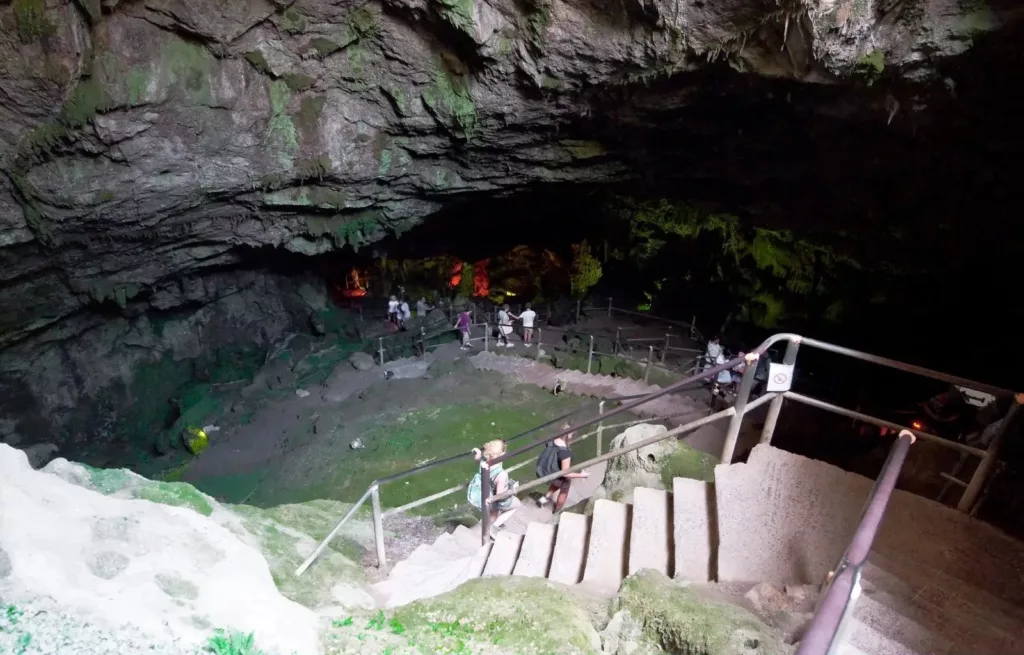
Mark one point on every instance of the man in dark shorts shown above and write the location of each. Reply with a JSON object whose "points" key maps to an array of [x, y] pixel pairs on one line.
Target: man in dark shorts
{"points": [[557, 457]]}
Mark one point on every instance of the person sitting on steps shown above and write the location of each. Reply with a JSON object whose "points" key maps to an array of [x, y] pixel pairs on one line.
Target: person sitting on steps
{"points": [[557, 457], [504, 509]]}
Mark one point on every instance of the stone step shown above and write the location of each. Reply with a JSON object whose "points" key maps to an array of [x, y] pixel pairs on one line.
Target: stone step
{"points": [[879, 630], [535, 556], [650, 537], [609, 545], [570, 552], [503, 554], [693, 526], [478, 561]]}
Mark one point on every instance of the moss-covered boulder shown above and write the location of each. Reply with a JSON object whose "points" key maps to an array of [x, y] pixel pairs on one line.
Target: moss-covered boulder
{"points": [[688, 619], [655, 465], [288, 534]]}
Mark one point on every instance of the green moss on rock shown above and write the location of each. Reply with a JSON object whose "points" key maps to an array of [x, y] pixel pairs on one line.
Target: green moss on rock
{"points": [[287, 535], [680, 619], [176, 494], [30, 18], [324, 47], [258, 61], [298, 81], [518, 615], [688, 462]]}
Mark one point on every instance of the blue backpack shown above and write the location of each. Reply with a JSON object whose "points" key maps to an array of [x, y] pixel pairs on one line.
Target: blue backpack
{"points": [[473, 490]]}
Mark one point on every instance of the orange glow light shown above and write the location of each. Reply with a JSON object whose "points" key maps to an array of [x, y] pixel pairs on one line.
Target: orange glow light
{"points": [[916, 425]]}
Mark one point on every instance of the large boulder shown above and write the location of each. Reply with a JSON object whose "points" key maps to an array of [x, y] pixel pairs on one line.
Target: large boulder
{"points": [[361, 361], [677, 618], [640, 468], [120, 572]]}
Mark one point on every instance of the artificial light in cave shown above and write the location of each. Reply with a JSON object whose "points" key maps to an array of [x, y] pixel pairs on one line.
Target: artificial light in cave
{"points": [[355, 286], [481, 283], [456, 275]]}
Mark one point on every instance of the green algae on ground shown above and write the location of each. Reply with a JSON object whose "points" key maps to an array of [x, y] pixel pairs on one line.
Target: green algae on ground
{"points": [[688, 462], [408, 439], [682, 620]]}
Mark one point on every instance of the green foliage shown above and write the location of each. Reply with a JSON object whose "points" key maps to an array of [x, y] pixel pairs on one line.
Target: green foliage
{"points": [[458, 13], [585, 271], [87, 100], [232, 643], [258, 61], [30, 18], [451, 102], [874, 60], [298, 81]]}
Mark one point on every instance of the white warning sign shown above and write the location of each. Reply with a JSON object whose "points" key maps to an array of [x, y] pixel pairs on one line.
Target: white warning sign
{"points": [[780, 377]]}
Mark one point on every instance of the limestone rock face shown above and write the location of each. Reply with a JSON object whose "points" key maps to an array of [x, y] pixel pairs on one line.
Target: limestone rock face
{"points": [[142, 571], [361, 361]]}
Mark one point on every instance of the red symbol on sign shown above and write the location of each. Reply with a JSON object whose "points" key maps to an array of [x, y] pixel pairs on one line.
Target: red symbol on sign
{"points": [[780, 378]]}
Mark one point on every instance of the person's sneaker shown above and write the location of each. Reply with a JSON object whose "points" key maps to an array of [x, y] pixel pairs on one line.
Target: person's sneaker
{"points": [[510, 345], [543, 501]]}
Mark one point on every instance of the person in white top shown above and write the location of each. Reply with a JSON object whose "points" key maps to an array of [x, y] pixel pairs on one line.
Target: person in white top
{"points": [[393, 310], [528, 316], [504, 327], [712, 353], [422, 307], [406, 314]]}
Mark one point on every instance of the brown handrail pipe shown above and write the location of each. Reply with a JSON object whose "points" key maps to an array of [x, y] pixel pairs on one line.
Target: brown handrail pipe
{"points": [[834, 606]]}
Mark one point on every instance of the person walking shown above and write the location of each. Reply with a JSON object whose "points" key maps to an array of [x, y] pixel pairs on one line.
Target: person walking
{"points": [[558, 457], [393, 311], [504, 326], [504, 509], [462, 325], [404, 313]]}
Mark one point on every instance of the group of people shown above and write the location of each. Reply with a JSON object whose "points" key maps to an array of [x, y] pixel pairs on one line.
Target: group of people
{"points": [[557, 456], [728, 380], [505, 318], [399, 312]]}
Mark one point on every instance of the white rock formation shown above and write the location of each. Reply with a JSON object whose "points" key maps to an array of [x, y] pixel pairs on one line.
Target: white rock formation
{"points": [[131, 572]]}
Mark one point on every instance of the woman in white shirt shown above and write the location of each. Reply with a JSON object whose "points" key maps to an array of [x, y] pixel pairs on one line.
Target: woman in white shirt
{"points": [[393, 310]]}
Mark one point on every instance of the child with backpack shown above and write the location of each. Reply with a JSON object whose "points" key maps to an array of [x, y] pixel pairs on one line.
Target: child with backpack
{"points": [[557, 457], [504, 509]]}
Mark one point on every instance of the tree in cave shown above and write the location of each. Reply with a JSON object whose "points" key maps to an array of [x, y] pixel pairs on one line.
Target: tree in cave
{"points": [[585, 272]]}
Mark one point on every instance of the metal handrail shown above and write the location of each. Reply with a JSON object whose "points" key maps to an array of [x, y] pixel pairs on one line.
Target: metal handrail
{"points": [[835, 610]]}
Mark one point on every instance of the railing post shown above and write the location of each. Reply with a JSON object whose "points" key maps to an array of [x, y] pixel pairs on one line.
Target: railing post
{"points": [[423, 341], [650, 361], [378, 529], [577, 311], [776, 405], [693, 327], [485, 493], [590, 354], [981, 473], [667, 337], [487, 336], [609, 307], [382, 351], [740, 406], [539, 342], [617, 349], [600, 427]]}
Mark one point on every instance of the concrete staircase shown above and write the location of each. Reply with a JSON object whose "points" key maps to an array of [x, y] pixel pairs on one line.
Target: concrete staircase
{"points": [[938, 583]]}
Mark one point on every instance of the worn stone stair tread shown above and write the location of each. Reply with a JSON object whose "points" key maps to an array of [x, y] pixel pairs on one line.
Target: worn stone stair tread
{"points": [[479, 561], [428, 582], [570, 551], [650, 539], [468, 537], [965, 632], [504, 553], [902, 636], [535, 555], [692, 527], [609, 542]]}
